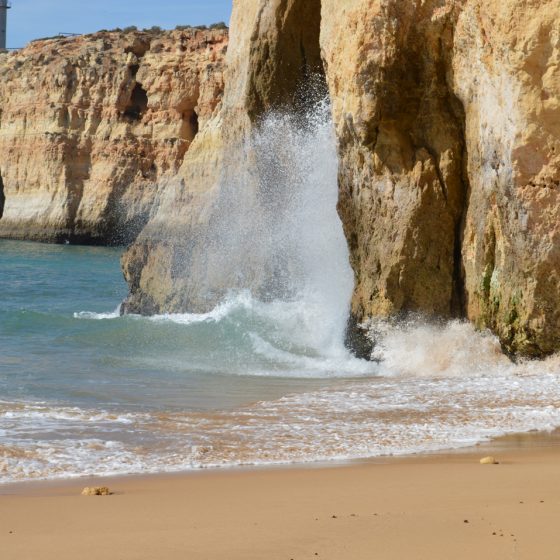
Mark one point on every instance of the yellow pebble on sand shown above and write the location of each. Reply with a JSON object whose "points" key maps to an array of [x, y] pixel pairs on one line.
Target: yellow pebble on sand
{"points": [[488, 461], [96, 491]]}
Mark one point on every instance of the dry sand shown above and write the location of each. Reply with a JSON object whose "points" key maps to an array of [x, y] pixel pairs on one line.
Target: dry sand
{"points": [[432, 507]]}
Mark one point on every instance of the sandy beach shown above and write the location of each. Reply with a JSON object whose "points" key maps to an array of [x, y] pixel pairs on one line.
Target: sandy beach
{"points": [[425, 507]]}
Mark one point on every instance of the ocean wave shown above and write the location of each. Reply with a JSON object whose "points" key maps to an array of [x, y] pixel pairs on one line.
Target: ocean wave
{"points": [[98, 316], [352, 419]]}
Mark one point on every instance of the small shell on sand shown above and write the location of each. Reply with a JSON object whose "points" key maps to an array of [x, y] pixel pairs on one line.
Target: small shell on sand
{"points": [[96, 491], [488, 461]]}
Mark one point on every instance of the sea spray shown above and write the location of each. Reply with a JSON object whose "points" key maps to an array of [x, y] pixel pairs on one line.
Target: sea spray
{"points": [[98, 393], [275, 231]]}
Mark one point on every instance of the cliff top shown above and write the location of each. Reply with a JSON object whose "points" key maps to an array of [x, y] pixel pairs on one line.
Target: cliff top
{"points": [[187, 37]]}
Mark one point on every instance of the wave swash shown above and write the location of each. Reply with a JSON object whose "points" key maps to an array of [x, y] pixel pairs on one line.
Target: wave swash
{"points": [[300, 396]]}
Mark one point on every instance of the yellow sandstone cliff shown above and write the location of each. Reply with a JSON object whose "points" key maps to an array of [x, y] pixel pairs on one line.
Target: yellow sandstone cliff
{"points": [[447, 116], [448, 119], [92, 127]]}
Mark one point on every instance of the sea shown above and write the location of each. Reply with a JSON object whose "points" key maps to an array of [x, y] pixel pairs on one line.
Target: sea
{"points": [[253, 381]]}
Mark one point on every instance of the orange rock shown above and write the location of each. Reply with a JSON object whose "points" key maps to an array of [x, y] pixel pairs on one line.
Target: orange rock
{"points": [[96, 491]]}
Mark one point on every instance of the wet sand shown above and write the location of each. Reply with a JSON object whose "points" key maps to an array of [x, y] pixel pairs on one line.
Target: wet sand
{"points": [[444, 506]]}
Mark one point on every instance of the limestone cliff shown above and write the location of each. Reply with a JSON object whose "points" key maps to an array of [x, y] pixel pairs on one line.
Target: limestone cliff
{"points": [[92, 127], [402, 153], [274, 49], [447, 114], [506, 68], [448, 117]]}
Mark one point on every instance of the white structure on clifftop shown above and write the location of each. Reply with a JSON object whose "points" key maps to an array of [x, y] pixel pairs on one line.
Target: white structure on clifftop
{"points": [[4, 7]]}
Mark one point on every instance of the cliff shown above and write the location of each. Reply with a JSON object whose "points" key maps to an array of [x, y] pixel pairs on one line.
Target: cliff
{"points": [[448, 119], [93, 127], [447, 114]]}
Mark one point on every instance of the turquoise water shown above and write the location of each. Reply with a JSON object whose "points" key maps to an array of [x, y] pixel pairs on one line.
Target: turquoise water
{"points": [[84, 391], [87, 392], [62, 340]]}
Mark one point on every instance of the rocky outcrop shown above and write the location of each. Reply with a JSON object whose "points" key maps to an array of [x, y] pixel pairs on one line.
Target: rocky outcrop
{"points": [[92, 127], [448, 119], [274, 49], [402, 154], [506, 68], [447, 114]]}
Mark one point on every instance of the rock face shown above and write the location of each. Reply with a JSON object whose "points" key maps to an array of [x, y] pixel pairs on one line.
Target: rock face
{"points": [[92, 127], [402, 153], [447, 114], [448, 119], [506, 69]]}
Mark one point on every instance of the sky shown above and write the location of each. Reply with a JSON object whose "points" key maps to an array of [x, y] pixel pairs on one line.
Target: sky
{"points": [[31, 19]]}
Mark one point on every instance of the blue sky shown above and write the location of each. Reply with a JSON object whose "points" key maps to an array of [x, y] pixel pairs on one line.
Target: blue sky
{"points": [[30, 19]]}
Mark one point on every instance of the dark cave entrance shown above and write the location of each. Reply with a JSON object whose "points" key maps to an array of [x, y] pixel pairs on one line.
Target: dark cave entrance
{"points": [[138, 103]]}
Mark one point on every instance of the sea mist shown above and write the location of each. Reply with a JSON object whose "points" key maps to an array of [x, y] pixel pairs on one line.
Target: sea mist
{"points": [[275, 231]]}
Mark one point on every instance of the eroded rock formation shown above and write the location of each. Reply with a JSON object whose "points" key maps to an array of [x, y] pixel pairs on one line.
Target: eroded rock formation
{"points": [[449, 138], [448, 120], [402, 153], [92, 127], [447, 115], [506, 68]]}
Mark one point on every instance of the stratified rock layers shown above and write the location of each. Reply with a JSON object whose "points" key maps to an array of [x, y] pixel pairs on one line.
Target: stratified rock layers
{"points": [[92, 127]]}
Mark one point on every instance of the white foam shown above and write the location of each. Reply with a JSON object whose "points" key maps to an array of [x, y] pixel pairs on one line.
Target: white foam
{"points": [[348, 419], [340, 365], [98, 316], [419, 348]]}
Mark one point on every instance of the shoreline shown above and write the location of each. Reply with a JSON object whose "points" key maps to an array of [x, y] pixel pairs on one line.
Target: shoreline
{"points": [[514, 442], [435, 506], [508, 442]]}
